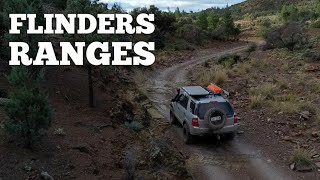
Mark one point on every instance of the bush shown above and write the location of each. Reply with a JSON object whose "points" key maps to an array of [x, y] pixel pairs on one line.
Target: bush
{"points": [[217, 76], [256, 101], [190, 32], [289, 13], [311, 55], [290, 35], [316, 23], [301, 159], [267, 90], [229, 60], [60, 4], [28, 109]]}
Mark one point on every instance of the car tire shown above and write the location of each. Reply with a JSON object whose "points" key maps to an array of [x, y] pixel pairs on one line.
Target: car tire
{"points": [[215, 112], [229, 136], [187, 137], [173, 119]]}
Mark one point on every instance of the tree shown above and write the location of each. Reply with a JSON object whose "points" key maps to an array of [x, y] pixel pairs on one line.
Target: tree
{"points": [[24, 7], [289, 13], [227, 25], [202, 20], [28, 110], [90, 7], [213, 20], [177, 13]]}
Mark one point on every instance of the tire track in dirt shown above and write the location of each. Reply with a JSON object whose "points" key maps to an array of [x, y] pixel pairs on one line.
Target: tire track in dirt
{"points": [[212, 160]]}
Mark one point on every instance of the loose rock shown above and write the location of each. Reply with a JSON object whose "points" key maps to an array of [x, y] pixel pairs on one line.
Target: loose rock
{"points": [[46, 176]]}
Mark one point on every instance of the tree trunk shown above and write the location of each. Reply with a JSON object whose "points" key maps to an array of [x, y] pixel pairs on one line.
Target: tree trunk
{"points": [[90, 86]]}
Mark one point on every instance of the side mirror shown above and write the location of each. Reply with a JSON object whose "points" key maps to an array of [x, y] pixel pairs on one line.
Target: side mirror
{"points": [[178, 91]]}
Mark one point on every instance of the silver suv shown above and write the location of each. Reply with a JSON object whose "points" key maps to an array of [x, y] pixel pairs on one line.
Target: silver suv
{"points": [[202, 111]]}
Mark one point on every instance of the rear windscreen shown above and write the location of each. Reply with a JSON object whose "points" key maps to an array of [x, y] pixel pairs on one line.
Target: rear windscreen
{"points": [[203, 108]]}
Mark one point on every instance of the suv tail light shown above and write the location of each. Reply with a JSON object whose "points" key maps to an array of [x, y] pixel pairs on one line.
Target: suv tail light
{"points": [[195, 122], [235, 120]]}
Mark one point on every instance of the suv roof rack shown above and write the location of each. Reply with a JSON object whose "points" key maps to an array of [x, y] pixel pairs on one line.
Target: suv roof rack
{"points": [[196, 91]]}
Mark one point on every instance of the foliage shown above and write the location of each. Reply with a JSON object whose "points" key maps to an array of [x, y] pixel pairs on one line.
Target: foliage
{"points": [[60, 4], [289, 13], [251, 49], [24, 7], [28, 110], [191, 31], [265, 26], [229, 60], [202, 20], [290, 35], [213, 20], [227, 26], [301, 158]]}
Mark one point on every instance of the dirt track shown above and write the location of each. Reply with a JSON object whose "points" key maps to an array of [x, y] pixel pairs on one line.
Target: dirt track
{"points": [[212, 159]]}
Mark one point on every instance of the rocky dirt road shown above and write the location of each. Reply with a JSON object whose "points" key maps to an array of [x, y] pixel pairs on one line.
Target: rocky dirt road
{"points": [[210, 158]]}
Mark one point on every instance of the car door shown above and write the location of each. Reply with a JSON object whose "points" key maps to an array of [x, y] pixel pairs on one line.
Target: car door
{"points": [[182, 105]]}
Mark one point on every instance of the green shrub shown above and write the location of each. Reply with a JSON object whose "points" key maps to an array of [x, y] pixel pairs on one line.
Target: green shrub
{"points": [[28, 110], [60, 4], [316, 23], [290, 35], [134, 125], [289, 13], [190, 33], [229, 60]]}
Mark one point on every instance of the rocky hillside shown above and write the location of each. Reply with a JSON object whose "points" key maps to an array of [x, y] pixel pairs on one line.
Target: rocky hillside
{"points": [[265, 7]]}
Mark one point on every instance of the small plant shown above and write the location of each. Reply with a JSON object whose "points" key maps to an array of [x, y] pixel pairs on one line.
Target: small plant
{"points": [[317, 117], [301, 159], [290, 97], [229, 60], [288, 107], [256, 101], [243, 68], [220, 77], [59, 132], [282, 84], [134, 125], [252, 48], [267, 90]]}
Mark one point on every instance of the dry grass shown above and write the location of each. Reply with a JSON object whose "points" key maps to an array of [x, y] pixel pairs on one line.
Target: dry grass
{"points": [[220, 77], [301, 158], [256, 101], [267, 90], [243, 68], [285, 66], [258, 63], [217, 76], [290, 97], [315, 87], [317, 117], [301, 79], [282, 83], [287, 107]]}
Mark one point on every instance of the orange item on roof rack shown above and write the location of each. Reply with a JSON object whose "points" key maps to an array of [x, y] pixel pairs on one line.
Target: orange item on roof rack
{"points": [[214, 88]]}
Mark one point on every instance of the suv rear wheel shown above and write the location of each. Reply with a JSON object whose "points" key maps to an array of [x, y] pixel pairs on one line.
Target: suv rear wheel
{"points": [[187, 137]]}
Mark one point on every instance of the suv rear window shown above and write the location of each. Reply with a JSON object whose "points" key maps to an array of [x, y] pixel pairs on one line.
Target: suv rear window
{"points": [[225, 106]]}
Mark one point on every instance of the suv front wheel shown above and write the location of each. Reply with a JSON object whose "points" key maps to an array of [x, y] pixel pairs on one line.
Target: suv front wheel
{"points": [[173, 119], [188, 138]]}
